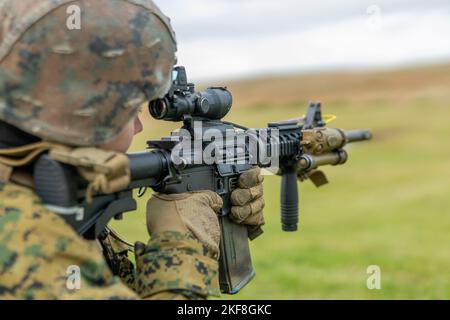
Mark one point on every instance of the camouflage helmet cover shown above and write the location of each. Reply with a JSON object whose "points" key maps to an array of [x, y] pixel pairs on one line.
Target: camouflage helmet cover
{"points": [[81, 86]]}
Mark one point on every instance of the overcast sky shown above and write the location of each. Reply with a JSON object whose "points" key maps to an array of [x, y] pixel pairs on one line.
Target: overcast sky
{"points": [[241, 38]]}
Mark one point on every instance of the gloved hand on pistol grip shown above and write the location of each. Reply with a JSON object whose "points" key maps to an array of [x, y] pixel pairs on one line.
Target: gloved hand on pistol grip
{"points": [[193, 213], [248, 202]]}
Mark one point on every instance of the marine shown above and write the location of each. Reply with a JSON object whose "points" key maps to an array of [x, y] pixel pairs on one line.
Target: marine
{"points": [[78, 93]]}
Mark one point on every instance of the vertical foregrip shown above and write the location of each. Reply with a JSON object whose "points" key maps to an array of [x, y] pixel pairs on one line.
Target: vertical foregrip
{"points": [[289, 201]]}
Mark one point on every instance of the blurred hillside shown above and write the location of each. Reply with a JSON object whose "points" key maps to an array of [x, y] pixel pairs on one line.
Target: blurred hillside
{"points": [[388, 206], [398, 85]]}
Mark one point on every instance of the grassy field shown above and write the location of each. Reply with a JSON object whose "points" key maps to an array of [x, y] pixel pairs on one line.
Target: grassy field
{"points": [[388, 206]]}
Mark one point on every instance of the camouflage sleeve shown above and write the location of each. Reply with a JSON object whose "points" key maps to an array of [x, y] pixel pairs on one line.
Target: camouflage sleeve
{"points": [[41, 257], [169, 278], [176, 263], [116, 252]]}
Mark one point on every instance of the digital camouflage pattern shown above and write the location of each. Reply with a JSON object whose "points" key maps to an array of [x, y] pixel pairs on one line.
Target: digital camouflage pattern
{"points": [[163, 264], [37, 247], [81, 86]]}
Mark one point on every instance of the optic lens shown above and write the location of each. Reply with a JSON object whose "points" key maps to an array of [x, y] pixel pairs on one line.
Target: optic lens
{"points": [[158, 108]]}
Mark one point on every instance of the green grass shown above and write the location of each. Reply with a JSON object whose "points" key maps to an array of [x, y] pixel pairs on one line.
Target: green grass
{"points": [[388, 206]]}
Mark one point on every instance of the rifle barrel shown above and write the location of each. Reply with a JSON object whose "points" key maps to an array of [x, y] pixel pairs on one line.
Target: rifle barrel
{"points": [[147, 168], [358, 135]]}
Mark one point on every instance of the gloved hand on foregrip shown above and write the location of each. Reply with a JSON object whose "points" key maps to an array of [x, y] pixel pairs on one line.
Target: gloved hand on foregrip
{"points": [[248, 202], [182, 255]]}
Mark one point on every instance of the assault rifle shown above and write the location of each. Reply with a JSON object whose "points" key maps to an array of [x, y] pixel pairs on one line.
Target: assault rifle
{"points": [[207, 153]]}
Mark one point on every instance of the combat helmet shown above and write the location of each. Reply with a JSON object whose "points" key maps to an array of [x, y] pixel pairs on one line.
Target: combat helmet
{"points": [[75, 72]]}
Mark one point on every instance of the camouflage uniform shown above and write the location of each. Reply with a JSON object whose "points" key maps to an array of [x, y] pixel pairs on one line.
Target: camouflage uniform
{"points": [[80, 88], [37, 247]]}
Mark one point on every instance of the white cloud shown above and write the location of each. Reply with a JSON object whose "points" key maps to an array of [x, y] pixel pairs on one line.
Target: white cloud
{"points": [[220, 38]]}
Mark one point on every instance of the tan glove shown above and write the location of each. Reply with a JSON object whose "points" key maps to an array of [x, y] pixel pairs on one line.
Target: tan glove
{"points": [[194, 213], [248, 202]]}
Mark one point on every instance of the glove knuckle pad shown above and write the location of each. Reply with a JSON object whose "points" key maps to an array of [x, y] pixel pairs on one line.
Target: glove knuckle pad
{"points": [[250, 178]]}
